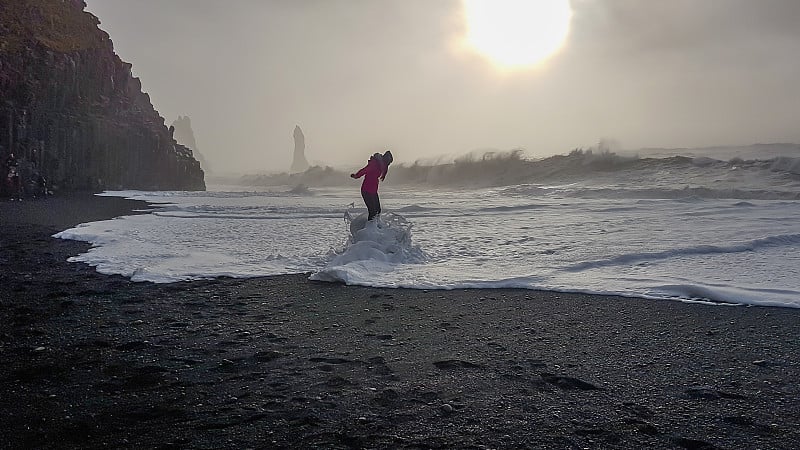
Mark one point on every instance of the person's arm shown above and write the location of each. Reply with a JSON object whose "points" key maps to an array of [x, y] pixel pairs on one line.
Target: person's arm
{"points": [[360, 173]]}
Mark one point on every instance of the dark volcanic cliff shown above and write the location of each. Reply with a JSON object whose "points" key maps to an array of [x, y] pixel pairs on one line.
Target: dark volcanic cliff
{"points": [[71, 110]]}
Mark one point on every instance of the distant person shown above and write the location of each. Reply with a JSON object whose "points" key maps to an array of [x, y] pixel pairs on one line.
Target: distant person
{"points": [[13, 181], [14, 184], [376, 169], [40, 186], [11, 162]]}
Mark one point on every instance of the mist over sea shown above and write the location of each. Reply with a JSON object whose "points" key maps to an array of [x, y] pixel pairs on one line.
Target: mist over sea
{"points": [[717, 226]]}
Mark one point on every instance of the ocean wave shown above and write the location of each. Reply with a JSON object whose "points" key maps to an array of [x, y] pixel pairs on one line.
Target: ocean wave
{"points": [[785, 164], [414, 208], [186, 215], [727, 295], [492, 209], [644, 257], [688, 194], [704, 161], [772, 178]]}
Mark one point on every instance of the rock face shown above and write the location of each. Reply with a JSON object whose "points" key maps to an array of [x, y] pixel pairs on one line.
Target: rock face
{"points": [[71, 110], [184, 135], [299, 162]]}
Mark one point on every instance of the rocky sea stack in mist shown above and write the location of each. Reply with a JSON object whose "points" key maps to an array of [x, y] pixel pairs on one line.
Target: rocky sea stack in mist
{"points": [[184, 135], [299, 161], [71, 109]]}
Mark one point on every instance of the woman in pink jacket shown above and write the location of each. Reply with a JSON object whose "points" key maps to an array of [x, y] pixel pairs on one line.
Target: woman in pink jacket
{"points": [[376, 168]]}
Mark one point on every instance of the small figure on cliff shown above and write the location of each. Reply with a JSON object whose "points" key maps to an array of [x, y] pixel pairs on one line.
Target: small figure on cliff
{"points": [[376, 169]]}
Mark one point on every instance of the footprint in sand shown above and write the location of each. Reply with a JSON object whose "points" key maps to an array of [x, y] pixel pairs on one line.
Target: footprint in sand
{"points": [[448, 364], [568, 383]]}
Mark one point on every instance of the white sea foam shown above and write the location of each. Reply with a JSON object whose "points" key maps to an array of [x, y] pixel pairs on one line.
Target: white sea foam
{"points": [[373, 247], [729, 294], [711, 248]]}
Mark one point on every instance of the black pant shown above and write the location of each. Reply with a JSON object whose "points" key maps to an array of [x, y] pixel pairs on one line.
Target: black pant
{"points": [[373, 204]]}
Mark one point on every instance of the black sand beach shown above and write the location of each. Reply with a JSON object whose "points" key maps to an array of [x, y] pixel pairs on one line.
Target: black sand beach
{"points": [[95, 361]]}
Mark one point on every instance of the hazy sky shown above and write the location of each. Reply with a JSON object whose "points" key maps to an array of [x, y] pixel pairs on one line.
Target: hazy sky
{"points": [[362, 75]]}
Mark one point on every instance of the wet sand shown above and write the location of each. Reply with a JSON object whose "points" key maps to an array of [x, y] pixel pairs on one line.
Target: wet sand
{"points": [[95, 361]]}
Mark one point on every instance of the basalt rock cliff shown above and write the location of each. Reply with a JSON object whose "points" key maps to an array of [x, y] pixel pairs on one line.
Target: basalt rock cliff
{"points": [[71, 110]]}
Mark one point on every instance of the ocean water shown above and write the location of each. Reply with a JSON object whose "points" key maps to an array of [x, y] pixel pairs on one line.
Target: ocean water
{"points": [[685, 228]]}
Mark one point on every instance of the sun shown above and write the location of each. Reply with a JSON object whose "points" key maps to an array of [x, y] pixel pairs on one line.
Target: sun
{"points": [[517, 33]]}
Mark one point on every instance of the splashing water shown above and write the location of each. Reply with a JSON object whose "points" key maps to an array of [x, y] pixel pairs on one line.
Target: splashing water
{"points": [[373, 247]]}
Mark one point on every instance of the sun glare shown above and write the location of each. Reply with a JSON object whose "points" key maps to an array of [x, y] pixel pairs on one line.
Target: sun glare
{"points": [[517, 33]]}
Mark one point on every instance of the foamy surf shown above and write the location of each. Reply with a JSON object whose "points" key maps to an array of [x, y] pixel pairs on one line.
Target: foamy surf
{"points": [[373, 248], [716, 249]]}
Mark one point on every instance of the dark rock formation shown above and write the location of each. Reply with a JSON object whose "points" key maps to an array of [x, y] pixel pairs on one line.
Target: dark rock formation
{"points": [[184, 135], [299, 163], [71, 110]]}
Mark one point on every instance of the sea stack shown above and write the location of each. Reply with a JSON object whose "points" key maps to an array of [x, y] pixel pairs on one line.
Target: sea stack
{"points": [[299, 162], [184, 135]]}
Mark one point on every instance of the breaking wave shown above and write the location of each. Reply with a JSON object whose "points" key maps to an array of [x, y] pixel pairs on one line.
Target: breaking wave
{"points": [[372, 248], [686, 193], [773, 178], [633, 258]]}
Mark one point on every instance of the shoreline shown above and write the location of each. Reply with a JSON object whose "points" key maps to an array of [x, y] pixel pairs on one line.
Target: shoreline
{"points": [[93, 361]]}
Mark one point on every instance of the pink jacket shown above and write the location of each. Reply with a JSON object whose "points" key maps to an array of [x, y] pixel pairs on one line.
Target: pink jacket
{"points": [[374, 169]]}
